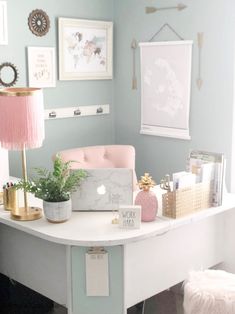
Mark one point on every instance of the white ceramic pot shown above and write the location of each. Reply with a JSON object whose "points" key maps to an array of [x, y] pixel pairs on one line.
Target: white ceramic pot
{"points": [[57, 211]]}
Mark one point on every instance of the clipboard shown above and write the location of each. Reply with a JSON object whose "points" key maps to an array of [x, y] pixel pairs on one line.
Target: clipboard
{"points": [[97, 272]]}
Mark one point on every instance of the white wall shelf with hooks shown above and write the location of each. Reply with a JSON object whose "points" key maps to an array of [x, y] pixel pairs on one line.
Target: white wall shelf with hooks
{"points": [[74, 112]]}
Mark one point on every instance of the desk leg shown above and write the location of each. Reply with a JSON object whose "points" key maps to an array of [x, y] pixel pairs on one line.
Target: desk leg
{"points": [[82, 304]]}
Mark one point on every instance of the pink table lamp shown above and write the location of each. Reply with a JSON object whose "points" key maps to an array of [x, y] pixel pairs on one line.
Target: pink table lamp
{"points": [[21, 128]]}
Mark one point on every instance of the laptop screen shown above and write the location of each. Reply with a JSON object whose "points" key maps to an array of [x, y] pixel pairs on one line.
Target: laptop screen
{"points": [[104, 189]]}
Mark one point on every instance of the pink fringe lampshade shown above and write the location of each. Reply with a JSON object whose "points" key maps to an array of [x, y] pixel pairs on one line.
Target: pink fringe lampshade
{"points": [[22, 127], [21, 118]]}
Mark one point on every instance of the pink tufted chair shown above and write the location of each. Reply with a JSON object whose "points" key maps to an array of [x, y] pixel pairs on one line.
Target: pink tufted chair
{"points": [[108, 156]]}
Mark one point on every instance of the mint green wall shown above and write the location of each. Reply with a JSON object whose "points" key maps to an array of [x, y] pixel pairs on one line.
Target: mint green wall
{"points": [[211, 108], [112, 304], [63, 133]]}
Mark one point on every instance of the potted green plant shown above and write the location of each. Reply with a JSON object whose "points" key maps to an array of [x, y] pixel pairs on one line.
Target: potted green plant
{"points": [[55, 188]]}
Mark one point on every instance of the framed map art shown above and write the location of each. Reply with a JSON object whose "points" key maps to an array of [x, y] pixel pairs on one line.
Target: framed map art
{"points": [[165, 88], [85, 49]]}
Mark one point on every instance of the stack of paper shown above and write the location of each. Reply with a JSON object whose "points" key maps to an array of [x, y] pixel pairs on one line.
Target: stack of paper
{"points": [[207, 167], [183, 180]]}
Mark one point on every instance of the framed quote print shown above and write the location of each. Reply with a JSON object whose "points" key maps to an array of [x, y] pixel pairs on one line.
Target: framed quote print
{"points": [[41, 67]]}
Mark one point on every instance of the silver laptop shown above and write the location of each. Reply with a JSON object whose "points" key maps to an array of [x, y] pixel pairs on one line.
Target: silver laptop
{"points": [[104, 190]]}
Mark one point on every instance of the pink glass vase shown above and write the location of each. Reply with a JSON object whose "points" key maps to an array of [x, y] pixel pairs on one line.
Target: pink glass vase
{"points": [[149, 204]]}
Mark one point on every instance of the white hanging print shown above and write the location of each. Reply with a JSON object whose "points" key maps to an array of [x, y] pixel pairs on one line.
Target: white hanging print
{"points": [[165, 85]]}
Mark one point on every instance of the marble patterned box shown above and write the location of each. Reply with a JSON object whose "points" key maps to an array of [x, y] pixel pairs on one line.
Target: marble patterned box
{"points": [[104, 189]]}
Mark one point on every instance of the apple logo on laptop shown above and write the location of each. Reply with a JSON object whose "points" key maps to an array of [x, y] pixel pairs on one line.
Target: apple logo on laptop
{"points": [[101, 190]]}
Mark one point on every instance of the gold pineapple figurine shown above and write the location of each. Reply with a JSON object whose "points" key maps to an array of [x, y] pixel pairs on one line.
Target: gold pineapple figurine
{"points": [[147, 198], [146, 182]]}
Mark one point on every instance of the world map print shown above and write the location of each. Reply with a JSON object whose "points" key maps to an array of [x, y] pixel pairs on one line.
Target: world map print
{"points": [[85, 50]]}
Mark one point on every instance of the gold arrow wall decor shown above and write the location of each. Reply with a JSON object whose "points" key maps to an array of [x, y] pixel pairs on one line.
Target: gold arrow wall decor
{"points": [[200, 45], [179, 7]]}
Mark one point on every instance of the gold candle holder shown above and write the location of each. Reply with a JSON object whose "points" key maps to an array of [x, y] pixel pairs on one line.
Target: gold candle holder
{"points": [[10, 199]]}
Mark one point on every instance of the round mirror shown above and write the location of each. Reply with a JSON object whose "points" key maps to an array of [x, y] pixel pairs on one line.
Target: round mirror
{"points": [[8, 74]]}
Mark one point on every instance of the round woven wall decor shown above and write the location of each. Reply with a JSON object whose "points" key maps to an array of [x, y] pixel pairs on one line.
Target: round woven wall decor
{"points": [[8, 66], [39, 22]]}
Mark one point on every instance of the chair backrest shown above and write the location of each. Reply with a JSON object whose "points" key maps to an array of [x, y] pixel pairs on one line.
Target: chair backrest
{"points": [[107, 156]]}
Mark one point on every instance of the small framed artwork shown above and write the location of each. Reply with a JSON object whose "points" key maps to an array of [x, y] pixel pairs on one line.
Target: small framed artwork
{"points": [[85, 49], [129, 216], [3, 23], [41, 67]]}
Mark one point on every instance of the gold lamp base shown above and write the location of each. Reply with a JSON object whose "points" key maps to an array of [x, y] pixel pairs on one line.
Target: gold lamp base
{"points": [[32, 213], [26, 213]]}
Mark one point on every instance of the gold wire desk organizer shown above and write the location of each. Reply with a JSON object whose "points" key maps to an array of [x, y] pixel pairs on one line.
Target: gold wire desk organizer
{"points": [[187, 201]]}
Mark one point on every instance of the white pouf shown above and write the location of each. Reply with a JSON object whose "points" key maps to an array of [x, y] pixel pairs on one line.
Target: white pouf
{"points": [[209, 292]]}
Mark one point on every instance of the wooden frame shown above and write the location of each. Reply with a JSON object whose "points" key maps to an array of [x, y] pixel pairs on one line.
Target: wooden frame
{"points": [[3, 23], [85, 49], [41, 67], [165, 88]]}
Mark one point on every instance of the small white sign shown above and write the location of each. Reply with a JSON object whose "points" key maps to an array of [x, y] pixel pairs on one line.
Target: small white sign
{"points": [[130, 217]]}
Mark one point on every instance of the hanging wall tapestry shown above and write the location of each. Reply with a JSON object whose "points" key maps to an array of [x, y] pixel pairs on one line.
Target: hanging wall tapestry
{"points": [[165, 88]]}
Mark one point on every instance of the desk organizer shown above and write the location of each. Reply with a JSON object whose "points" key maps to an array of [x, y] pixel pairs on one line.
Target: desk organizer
{"points": [[186, 201]]}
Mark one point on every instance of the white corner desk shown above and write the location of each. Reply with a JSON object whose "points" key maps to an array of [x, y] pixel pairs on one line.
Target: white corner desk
{"points": [[50, 258]]}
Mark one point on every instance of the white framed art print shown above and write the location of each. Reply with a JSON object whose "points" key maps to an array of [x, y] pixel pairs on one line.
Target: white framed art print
{"points": [[165, 88], [85, 49], [3, 23], [41, 67]]}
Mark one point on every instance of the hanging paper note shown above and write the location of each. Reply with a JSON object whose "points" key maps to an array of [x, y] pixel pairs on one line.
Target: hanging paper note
{"points": [[97, 273]]}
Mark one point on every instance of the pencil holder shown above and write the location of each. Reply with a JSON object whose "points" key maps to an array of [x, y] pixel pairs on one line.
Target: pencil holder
{"points": [[10, 199]]}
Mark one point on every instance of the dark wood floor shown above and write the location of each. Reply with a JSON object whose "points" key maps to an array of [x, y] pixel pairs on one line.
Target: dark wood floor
{"points": [[167, 302], [17, 299]]}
